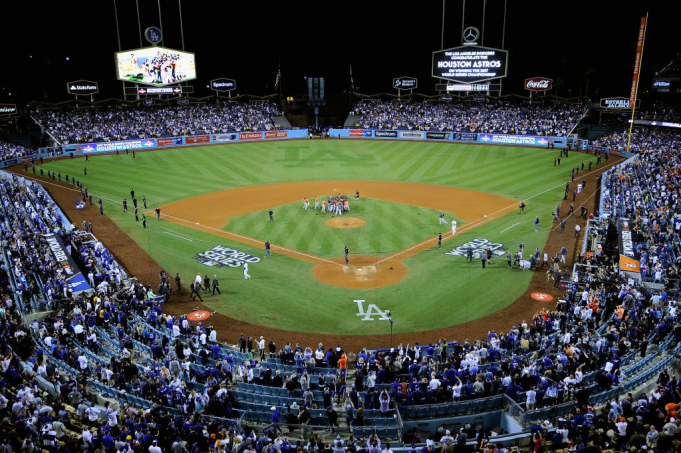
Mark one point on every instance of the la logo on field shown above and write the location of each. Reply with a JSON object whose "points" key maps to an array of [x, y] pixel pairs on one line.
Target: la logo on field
{"points": [[372, 310]]}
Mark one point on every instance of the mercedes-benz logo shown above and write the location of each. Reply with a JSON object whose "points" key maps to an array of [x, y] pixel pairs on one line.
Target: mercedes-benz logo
{"points": [[471, 34]]}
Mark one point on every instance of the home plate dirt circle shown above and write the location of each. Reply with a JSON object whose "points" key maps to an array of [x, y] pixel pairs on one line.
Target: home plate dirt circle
{"points": [[345, 222], [361, 273]]}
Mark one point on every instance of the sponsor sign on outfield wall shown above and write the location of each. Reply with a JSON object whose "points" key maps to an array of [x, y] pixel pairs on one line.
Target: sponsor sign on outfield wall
{"points": [[276, 134], [411, 134], [169, 141], [225, 137], [514, 139], [197, 139], [250, 135], [385, 134], [464, 136], [356, 133], [119, 146], [438, 135]]}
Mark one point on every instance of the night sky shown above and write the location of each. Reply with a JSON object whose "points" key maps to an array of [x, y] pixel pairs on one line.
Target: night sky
{"points": [[383, 40]]}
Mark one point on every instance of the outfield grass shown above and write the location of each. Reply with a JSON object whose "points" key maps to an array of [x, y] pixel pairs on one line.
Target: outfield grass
{"points": [[440, 290]]}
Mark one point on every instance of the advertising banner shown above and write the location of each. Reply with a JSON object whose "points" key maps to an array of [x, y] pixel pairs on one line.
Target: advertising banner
{"points": [[629, 265], [405, 83], [470, 64], [119, 146], [157, 66], [385, 134], [514, 139], [169, 141], [223, 84], [411, 134], [84, 87], [438, 135], [8, 109], [356, 133], [250, 135], [618, 103], [368, 133], [464, 136], [538, 84], [276, 134], [197, 139], [74, 278], [637, 60], [225, 137]]}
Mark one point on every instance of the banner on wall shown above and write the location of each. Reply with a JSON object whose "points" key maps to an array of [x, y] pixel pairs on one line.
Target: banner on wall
{"points": [[385, 134], [74, 278], [276, 134], [356, 133], [250, 135], [438, 135], [197, 139], [514, 139], [169, 141], [119, 146], [411, 134], [225, 137], [629, 265], [465, 136]]}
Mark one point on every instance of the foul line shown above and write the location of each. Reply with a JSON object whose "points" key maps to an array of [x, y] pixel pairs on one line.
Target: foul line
{"points": [[178, 236], [510, 227]]}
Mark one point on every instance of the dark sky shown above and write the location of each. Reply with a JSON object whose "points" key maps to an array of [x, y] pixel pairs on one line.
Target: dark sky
{"points": [[246, 40]]}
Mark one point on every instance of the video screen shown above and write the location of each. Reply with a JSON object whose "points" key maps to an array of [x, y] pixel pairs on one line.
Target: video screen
{"points": [[156, 66]]}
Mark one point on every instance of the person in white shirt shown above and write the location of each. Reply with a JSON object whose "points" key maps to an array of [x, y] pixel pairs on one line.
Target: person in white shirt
{"points": [[531, 400], [456, 390], [446, 437], [261, 347], [154, 448], [82, 362], [92, 415], [111, 414]]}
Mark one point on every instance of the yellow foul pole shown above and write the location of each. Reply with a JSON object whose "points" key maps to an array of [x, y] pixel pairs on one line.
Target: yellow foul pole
{"points": [[637, 69]]}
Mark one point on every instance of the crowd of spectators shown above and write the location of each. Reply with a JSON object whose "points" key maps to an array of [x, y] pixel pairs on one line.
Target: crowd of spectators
{"points": [[642, 140], [119, 337], [660, 110], [493, 117], [122, 122], [12, 150]]}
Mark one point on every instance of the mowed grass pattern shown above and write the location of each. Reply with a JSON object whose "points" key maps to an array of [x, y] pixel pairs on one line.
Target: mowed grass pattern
{"points": [[390, 227], [439, 289]]}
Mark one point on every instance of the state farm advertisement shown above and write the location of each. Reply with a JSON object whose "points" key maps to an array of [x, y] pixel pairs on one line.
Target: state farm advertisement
{"points": [[538, 84], [276, 134], [197, 139], [356, 133], [250, 135]]}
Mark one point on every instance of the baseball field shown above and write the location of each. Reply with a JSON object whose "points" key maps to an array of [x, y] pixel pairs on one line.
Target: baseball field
{"points": [[215, 199]]}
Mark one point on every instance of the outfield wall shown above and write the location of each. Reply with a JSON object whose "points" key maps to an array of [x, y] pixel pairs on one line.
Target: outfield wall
{"points": [[189, 140], [462, 137]]}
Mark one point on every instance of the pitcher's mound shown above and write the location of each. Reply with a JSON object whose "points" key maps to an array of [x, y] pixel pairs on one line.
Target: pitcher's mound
{"points": [[345, 222], [361, 273]]}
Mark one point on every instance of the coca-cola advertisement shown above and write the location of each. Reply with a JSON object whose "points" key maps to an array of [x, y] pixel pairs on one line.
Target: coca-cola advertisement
{"points": [[538, 84]]}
